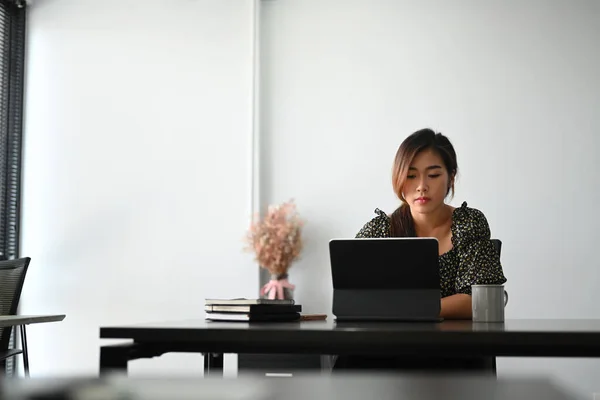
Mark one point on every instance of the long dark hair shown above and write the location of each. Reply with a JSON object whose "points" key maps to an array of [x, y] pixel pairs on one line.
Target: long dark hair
{"points": [[402, 224]]}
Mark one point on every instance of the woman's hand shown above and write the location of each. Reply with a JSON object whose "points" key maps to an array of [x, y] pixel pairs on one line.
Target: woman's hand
{"points": [[457, 306]]}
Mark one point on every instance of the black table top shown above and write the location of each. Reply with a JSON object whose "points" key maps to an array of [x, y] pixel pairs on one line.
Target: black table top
{"points": [[305, 387], [513, 326], [518, 337]]}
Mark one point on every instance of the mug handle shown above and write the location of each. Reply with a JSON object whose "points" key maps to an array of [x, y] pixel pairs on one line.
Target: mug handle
{"points": [[505, 298]]}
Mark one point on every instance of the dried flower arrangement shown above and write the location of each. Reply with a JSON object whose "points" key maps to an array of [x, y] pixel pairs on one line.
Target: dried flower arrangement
{"points": [[276, 241]]}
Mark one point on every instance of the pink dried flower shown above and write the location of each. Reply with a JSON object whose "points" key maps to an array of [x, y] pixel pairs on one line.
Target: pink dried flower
{"points": [[276, 240]]}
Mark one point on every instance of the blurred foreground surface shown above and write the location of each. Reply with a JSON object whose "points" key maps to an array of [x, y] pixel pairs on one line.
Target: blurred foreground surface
{"points": [[349, 386]]}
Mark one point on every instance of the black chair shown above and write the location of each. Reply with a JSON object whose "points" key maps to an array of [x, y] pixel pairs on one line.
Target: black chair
{"points": [[12, 277], [497, 245]]}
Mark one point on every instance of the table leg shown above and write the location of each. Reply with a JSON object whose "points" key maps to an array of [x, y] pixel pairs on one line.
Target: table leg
{"points": [[213, 364], [25, 350], [114, 358]]}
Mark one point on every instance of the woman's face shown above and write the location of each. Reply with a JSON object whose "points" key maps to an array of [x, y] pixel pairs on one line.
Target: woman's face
{"points": [[427, 182]]}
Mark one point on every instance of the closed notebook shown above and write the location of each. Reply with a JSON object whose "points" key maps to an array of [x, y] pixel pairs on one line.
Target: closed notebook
{"points": [[254, 308], [281, 317], [248, 302]]}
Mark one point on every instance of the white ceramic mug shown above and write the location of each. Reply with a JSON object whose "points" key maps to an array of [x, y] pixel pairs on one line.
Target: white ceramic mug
{"points": [[488, 302]]}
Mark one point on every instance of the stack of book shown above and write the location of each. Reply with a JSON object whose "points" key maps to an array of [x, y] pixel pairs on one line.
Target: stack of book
{"points": [[250, 310]]}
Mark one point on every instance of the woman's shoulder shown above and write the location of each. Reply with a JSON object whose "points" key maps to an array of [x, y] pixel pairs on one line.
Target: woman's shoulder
{"points": [[469, 223], [378, 226]]}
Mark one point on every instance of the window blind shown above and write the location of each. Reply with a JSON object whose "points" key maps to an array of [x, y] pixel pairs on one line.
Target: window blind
{"points": [[12, 62]]}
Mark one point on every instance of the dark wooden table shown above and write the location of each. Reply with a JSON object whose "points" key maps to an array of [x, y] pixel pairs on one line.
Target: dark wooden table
{"points": [[518, 338]]}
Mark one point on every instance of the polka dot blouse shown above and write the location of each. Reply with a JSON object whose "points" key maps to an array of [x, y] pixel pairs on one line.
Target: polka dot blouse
{"points": [[472, 259]]}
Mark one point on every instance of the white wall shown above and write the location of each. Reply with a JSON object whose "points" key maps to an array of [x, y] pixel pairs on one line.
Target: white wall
{"points": [[514, 85], [137, 152], [137, 157]]}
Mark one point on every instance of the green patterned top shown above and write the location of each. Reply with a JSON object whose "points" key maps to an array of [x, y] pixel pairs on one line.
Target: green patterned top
{"points": [[473, 258]]}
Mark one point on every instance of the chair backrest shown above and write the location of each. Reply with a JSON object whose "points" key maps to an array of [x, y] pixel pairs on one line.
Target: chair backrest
{"points": [[497, 245], [12, 276]]}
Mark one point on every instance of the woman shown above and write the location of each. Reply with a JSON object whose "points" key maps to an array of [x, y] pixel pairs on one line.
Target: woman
{"points": [[423, 176]]}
